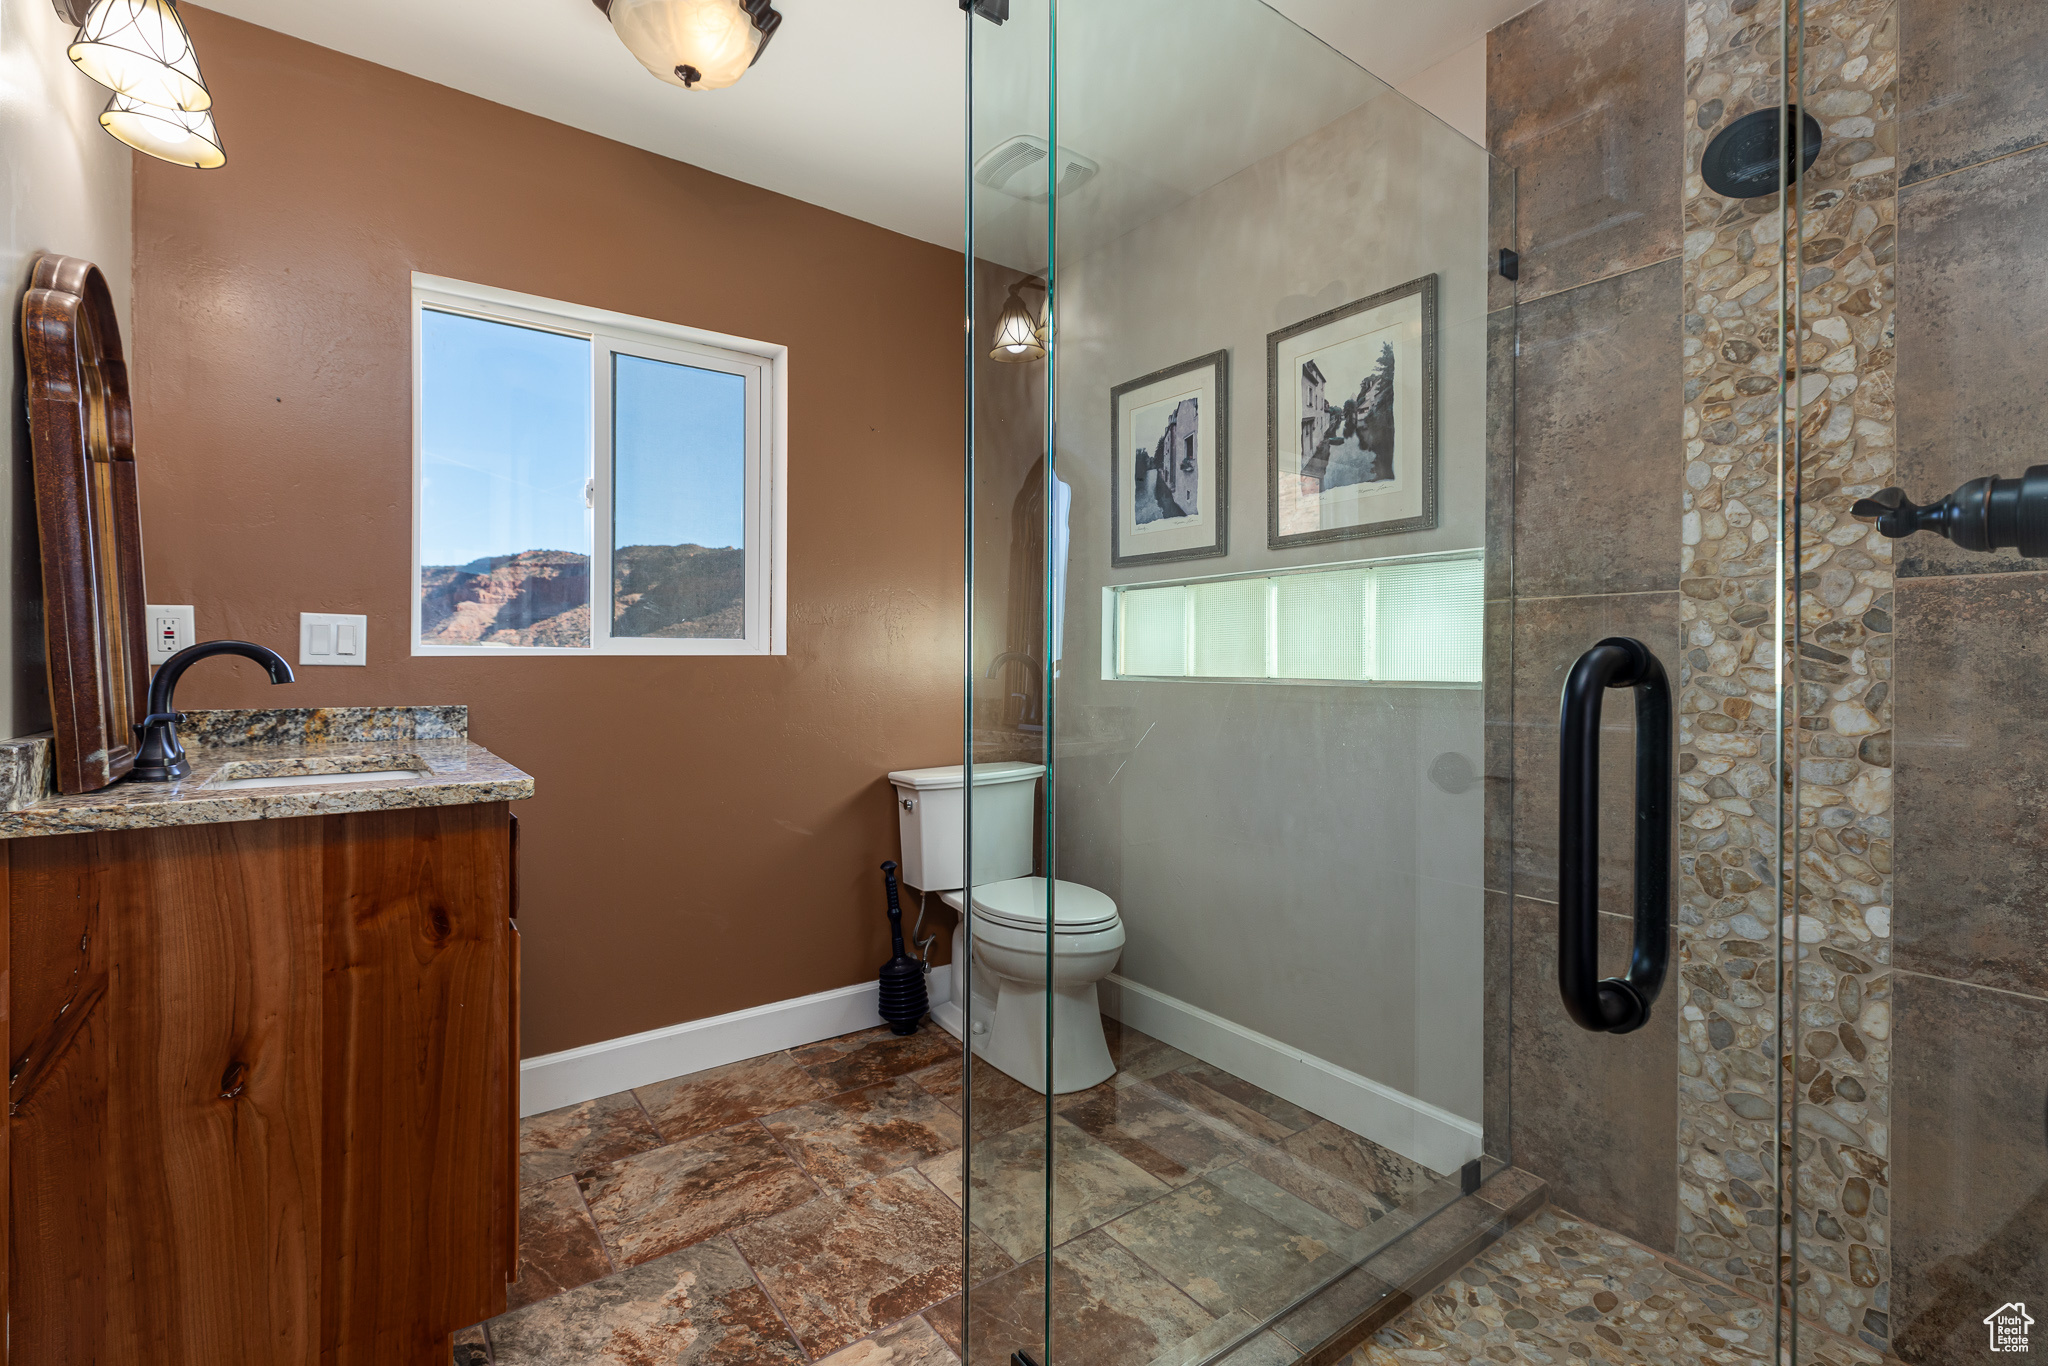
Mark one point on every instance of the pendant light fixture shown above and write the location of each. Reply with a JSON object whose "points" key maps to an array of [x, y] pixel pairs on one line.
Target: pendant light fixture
{"points": [[174, 135], [140, 49], [1020, 337], [696, 44]]}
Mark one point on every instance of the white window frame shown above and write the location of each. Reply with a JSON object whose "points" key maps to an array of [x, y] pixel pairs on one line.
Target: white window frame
{"points": [[765, 367], [1112, 625]]}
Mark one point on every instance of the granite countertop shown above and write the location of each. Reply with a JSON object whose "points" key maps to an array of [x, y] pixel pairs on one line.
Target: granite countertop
{"points": [[437, 765]]}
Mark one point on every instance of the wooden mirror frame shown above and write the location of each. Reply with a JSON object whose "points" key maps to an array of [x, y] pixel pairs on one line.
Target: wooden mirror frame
{"points": [[88, 517]]}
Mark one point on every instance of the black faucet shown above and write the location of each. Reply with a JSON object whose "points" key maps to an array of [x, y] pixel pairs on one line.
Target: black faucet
{"points": [[162, 758]]}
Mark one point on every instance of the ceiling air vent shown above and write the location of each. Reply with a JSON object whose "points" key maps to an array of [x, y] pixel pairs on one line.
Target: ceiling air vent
{"points": [[1017, 168]]}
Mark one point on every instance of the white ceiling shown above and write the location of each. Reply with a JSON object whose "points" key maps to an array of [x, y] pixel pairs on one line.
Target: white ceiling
{"points": [[857, 107], [1398, 39], [1169, 97]]}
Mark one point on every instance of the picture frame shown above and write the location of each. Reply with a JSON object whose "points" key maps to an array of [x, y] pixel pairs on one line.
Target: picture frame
{"points": [[1167, 507], [1351, 404]]}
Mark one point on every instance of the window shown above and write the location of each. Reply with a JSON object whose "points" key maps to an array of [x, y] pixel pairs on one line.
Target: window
{"points": [[590, 483], [1408, 621]]}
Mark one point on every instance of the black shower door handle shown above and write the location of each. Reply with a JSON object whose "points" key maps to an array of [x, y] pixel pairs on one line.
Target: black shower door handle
{"points": [[1615, 1005]]}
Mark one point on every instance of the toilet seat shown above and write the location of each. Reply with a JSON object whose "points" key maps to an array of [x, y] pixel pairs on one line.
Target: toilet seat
{"points": [[1020, 904]]}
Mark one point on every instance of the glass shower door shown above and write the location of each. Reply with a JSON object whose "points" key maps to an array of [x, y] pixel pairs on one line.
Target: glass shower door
{"points": [[1005, 1180], [1920, 1035], [1271, 401]]}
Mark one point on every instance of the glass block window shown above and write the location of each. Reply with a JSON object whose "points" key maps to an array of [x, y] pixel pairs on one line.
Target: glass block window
{"points": [[1410, 621]]}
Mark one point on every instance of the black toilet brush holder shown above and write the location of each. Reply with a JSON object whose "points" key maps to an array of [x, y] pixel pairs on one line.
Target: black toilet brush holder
{"points": [[903, 1003]]}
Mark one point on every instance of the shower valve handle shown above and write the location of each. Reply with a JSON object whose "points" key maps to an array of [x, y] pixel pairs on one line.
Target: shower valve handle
{"points": [[1985, 514]]}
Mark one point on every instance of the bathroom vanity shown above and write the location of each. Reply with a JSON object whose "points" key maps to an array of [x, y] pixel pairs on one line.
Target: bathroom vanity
{"points": [[263, 1044]]}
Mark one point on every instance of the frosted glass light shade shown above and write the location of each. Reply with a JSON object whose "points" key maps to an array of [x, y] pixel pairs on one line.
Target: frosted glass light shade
{"points": [[1018, 338], [139, 48], [174, 135], [696, 44]]}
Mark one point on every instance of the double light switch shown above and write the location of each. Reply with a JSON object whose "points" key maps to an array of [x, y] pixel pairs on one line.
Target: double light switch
{"points": [[332, 638]]}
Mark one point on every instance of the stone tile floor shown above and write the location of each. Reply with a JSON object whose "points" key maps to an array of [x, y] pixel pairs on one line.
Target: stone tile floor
{"points": [[1560, 1290], [805, 1206]]}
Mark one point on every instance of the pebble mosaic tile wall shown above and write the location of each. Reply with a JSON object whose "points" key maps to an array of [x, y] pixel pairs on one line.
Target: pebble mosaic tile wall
{"points": [[1843, 668], [1827, 928], [1728, 890]]}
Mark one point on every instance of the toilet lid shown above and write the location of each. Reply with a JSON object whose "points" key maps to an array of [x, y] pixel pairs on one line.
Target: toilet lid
{"points": [[1020, 902]]}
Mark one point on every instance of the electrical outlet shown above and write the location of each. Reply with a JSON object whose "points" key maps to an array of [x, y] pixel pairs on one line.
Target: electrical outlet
{"points": [[171, 629], [333, 638]]}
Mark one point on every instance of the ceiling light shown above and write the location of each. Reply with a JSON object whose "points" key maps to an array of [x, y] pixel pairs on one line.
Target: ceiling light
{"points": [[1020, 337], [139, 48], [696, 44], [174, 135]]}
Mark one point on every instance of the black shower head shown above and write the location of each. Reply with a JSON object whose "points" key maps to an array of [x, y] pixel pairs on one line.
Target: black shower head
{"points": [[1746, 158]]}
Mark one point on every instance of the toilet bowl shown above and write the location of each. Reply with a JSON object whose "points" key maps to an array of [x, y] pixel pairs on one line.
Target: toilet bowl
{"points": [[1016, 982], [1008, 921]]}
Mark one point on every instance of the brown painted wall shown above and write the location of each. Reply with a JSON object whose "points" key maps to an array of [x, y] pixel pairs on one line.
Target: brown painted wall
{"points": [[707, 830]]}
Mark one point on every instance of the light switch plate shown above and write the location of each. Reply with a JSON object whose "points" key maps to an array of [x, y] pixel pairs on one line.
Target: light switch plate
{"points": [[171, 629], [333, 638]]}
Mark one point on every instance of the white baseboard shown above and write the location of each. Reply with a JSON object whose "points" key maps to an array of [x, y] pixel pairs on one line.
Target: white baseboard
{"points": [[602, 1069], [1425, 1133]]}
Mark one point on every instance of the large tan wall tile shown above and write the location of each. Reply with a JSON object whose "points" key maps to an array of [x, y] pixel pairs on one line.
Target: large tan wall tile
{"points": [[1499, 705], [1971, 785], [1499, 1037], [1550, 635], [1598, 407], [1969, 1178], [1501, 339], [1595, 1115], [1973, 289], [1970, 84], [1583, 101]]}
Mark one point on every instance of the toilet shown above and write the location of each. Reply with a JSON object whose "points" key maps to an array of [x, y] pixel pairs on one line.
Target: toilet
{"points": [[1006, 1012]]}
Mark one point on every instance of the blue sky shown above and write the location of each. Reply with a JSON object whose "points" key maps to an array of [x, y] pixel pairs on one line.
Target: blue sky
{"points": [[681, 453], [505, 445]]}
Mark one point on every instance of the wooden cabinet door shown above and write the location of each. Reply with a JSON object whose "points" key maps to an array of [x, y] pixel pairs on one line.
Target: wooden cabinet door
{"points": [[417, 1022], [263, 1074], [166, 1112]]}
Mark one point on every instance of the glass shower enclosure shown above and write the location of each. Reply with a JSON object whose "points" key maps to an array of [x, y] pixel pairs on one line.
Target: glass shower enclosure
{"points": [[1446, 772], [1239, 347]]}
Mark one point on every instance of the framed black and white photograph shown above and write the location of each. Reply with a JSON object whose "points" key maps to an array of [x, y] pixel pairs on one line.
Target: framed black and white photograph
{"points": [[1169, 466], [1351, 404]]}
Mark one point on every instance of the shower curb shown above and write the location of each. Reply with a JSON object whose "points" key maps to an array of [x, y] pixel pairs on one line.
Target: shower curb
{"points": [[1376, 1292]]}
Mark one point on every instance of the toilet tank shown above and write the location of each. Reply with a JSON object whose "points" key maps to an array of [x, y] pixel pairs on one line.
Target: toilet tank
{"points": [[931, 814]]}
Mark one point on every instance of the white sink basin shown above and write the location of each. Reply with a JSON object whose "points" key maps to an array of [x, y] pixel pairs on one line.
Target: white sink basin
{"points": [[315, 779], [325, 770]]}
